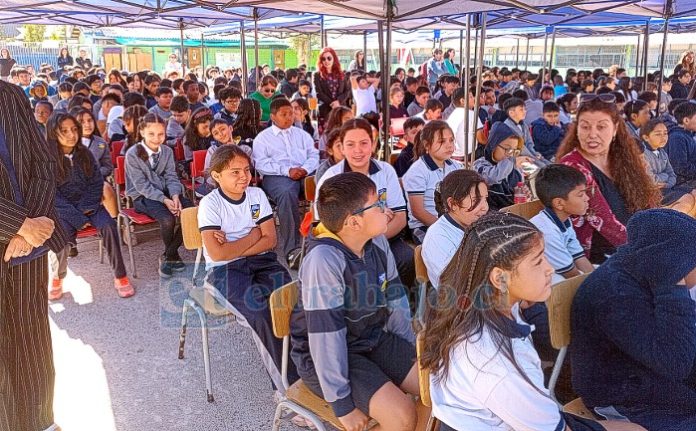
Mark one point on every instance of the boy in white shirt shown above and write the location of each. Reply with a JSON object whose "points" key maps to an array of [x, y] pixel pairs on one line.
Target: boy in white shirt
{"points": [[363, 93]]}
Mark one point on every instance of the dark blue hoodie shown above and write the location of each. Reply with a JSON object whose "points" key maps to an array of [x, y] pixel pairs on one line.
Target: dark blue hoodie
{"points": [[681, 149], [634, 328], [502, 176]]}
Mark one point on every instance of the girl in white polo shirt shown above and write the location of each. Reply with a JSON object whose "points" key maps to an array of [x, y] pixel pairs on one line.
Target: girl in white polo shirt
{"points": [[433, 148], [485, 373]]}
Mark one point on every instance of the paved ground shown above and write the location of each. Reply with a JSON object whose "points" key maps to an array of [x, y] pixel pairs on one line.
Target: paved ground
{"points": [[116, 359]]}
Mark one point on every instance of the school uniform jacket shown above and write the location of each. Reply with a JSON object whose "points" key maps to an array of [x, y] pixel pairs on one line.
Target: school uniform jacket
{"points": [[144, 180], [102, 154], [79, 194]]}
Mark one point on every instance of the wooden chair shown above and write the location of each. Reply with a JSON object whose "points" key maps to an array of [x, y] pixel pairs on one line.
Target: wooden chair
{"points": [[393, 157], [423, 282], [298, 398], [559, 305], [310, 188], [200, 299], [526, 210], [424, 384]]}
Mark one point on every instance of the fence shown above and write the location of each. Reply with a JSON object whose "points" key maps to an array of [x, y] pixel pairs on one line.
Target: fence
{"points": [[37, 53]]}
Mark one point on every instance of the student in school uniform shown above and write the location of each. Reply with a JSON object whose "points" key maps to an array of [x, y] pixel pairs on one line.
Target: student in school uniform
{"points": [[239, 236], [164, 97], [461, 201], [284, 155], [230, 98], [434, 147], [357, 145], [412, 127], [484, 371], [152, 183], [222, 135], [418, 104], [197, 132], [78, 202], [181, 112]]}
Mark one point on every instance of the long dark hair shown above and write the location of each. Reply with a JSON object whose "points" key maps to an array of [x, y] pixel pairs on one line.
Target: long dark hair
{"points": [[81, 154], [458, 185], [79, 114], [307, 122], [248, 116], [191, 137], [467, 303], [134, 113]]}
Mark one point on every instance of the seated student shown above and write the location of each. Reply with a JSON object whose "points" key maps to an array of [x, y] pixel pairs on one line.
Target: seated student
{"points": [[42, 112], [547, 131], [338, 116], [418, 104], [456, 123], [501, 165], [654, 136], [152, 183], [449, 86], [563, 191], [516, 112], [304, 90], [432, 111], [239, 236], [463, 199], [500, 115], [95, 83], [162, 107], [131, 125], [681, 146], [650, 97], [284, 155], [197, 132], [357, 355], [406, 158], [107, 103], [248, 123], [478, 349], [64, 93], [221, 133], [433, 148], [230, 98], [637, 114], [396, 99], [150, 85], [633, 351], [364, 88], [411, 85], [665, 97], [177, 121], [358, 146], [78, 202], [333, 153], [303, 118], [680, 84], [265, 95]]}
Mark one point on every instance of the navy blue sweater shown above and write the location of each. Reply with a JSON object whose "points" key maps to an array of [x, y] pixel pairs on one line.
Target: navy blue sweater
{"points": [[681, 149], [79, 193], [547, 138], [634, 328]]}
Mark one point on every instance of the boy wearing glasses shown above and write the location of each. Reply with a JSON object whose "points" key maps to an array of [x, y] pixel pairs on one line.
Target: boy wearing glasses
{"points": [[351, 332], [230, 98]]}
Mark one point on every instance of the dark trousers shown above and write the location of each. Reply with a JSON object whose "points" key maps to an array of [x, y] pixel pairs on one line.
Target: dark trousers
{"points": [[247, 284], [403, 255], [108, 231], [169, 229], [285, 192], [26, 356]]}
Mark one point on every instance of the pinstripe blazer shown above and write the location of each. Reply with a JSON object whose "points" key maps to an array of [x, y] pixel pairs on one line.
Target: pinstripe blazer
{"points": [[35, 166]]}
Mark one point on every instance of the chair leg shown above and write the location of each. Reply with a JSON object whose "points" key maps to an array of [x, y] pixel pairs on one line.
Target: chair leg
{"points": [[199, 255], [276, 418], [206, 352], [182, 334], [127, 228], [101, 251], [557, 366]]}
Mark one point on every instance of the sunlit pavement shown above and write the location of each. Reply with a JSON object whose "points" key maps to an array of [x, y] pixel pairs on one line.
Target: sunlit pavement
{"points": [[116, 359]]}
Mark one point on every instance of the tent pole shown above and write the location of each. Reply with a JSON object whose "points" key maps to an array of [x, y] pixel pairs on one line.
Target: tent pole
{"points": [[476, 45], [203, 55], [322, 31], [383, 81], [365, 52], [638, 55], [646, 47], [526, 55], [543, 59], [517, 55], [461, 54], [664, 50], [256, 48], [181, 40], [479, 80], [245, 64], [385, 90], [553, 49], [467, 87]]}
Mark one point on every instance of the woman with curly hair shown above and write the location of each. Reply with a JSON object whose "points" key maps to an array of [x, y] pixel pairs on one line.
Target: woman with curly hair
{"points": [[686, 62], [599, 145], [332, 87]]}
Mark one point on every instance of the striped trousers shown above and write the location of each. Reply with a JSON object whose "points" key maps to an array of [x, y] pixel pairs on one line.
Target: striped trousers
{"points": [[26, 356]]}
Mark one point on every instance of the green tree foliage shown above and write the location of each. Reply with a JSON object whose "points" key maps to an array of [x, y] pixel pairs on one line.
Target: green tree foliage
{"points": [[34, 32]]}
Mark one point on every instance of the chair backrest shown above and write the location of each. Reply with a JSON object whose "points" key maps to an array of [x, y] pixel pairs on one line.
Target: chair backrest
{"points": [[525, 210], [282, 303], [189, 229], [423, 373], [310, 188], [396, 126], [116, 148], [393, 157], [559, 305], [421, 269], [179, 153], [120, 171], [198, 164]]}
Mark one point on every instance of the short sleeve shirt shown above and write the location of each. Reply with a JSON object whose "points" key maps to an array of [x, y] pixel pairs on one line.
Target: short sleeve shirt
{"points": [[562, 247], [236, 218], [421, 179]]}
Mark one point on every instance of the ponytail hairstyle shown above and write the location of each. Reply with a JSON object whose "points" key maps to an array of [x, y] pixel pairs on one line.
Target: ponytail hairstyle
{"points": [[467, 303], [335, 118], [307, 122], [457, 186], [143, 122], [191, 137], [134, 115], [427, 136], [248, 116], [81, 154]]}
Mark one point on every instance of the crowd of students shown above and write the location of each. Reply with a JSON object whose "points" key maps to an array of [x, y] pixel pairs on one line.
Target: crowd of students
{"points": [[600, 156]]}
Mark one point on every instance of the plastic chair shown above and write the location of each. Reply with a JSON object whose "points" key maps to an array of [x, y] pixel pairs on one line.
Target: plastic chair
{"points": [[200, 300], [93, 234], [129, 216], [298, 398], [525, 210], [424, 384], [197, 171]]}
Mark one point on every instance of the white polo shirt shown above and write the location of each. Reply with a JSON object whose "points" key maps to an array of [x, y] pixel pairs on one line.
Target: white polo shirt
{"points": [[456, 123], [562, 247], [484, 392], [421, 179], [442, 240], [384, 177], [236, 218]]}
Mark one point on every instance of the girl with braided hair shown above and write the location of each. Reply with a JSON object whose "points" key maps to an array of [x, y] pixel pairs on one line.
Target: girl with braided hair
{"points": [[485, 372]]}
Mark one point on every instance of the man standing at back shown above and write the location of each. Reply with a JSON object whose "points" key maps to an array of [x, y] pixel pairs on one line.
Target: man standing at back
{"points": [[28, 229]]}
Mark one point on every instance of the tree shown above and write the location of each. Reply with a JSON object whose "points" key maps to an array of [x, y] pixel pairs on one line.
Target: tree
{"points": [[34, 32]]}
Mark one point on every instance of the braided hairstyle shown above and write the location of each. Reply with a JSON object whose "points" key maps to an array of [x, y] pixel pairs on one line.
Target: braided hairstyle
{"points": [[466, 302]]}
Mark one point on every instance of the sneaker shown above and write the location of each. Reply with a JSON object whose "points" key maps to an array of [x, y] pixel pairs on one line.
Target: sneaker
{"points": [[56, 290], [178, 265], [73, 251], [124, 288], [294, 258], [165, 269]]}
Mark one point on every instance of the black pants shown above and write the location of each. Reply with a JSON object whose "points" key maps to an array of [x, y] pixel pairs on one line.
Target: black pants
{"points": [[403, 254], [169, 230]]}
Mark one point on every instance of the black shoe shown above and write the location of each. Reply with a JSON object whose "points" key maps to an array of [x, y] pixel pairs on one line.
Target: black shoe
{"points": [[73, 252], [177, 265], [294, 258], [165, 269]]}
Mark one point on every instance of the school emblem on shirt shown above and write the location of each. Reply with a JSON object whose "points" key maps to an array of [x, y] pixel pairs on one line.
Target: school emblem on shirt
{"points": [[383, 281], [382, 193], [255, 211]]}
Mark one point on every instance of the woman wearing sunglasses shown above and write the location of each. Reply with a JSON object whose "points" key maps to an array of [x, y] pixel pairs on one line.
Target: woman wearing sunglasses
{"points": [[333, 89], [599, 145], [172, 65], [264, 95]]}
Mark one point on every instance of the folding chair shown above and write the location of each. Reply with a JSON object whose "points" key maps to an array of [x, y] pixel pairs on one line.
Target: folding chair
{"points": [[129, 216], [423, 282], [298, 398], [424, 384], [197, 171], [525, 210], [200, 299], [93, 234]]}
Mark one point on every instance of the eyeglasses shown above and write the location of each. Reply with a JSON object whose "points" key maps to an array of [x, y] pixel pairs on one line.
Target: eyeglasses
{"points": [[327, 58], [379, 204], [606, 98], [232, 102], [268, 90], [511, 152]]}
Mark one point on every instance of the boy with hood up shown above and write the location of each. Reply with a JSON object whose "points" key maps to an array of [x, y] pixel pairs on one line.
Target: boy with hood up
{"points": [[501, 165], [633, 350]]}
